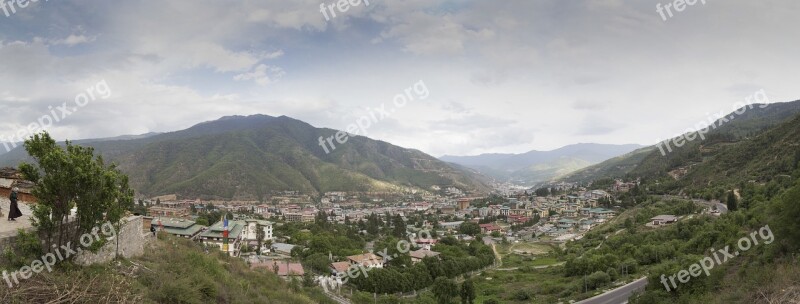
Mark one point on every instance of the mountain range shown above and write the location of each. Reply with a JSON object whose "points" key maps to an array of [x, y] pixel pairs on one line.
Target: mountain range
{"points": [[539, 166], [249, 157]]}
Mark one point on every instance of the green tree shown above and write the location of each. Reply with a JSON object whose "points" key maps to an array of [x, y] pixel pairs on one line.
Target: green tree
{"points": [[444, 290], [73, 177], [260, 236], [202, 221], [308, 279], [468, 292], [321, 219], [470, 228], [732, 201], [399, 225]]}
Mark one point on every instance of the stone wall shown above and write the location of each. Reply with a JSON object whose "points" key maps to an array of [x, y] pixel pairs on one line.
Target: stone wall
{"points": [[132, 240]]}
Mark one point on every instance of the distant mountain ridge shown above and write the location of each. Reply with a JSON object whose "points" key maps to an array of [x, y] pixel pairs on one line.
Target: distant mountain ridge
{"points": [[247, 157], [538, 166]]}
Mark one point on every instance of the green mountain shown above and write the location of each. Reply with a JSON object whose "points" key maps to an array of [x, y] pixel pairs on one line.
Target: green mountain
{"points": [[248, 157], [650, 163]]}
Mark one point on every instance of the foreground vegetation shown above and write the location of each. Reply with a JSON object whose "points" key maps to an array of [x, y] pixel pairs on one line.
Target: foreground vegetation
{"points": [[173, 270]]}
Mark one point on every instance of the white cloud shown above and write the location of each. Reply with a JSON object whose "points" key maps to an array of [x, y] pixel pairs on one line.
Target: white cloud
{"points": [[505, 76], [262, 75]]}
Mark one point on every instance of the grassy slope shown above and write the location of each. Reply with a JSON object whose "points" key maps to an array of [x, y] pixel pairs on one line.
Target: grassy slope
{"points": [[172, 271]]}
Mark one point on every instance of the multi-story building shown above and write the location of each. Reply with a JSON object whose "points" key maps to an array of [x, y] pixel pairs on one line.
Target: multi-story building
{"points": [[215, 235]]}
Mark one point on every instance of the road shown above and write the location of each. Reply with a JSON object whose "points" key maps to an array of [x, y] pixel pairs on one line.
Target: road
{"points": [[720, 206], [619, 295]]}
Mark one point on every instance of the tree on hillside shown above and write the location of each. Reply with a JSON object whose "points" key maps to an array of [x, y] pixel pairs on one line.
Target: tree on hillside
{"points": [[731, 201], [467, 292], [73, 177], [444, 290], [787, 211]]}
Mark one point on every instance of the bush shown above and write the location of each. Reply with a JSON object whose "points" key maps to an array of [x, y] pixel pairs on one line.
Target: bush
{"points": [[597, 279], [27, 248], [522, 295]]}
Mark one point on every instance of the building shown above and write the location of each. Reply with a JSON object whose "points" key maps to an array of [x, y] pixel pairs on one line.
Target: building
{"points": [[165, 211], [449, 226], [284, 269], [340, 267], [369, 260], [179, 227], [418, 255], [566, 223], [426, 244], [300, 217], [253, 226], [489, 228], [601, 213], [282, 248], [663, 220], [214, 235], [10, 178], [463, 203]]}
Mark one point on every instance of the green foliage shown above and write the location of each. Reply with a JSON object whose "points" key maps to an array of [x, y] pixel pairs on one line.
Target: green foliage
{"points": [[444, 290], [317, 262], [73, 177], [787, 213], [26, 248], [469, 228], [597, 279], [602, 183], [467, 292], [455, 259], [731, 201]]}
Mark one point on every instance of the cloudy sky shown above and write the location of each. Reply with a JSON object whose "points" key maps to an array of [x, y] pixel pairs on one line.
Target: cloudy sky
{"points": [[503, 76]]}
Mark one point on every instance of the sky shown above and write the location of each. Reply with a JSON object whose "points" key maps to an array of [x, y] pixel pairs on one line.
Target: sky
{"points": [[499, 76]]}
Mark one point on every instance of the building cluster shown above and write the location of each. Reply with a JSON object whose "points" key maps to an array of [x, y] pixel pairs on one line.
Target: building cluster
{"points": [[247, 232]]}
